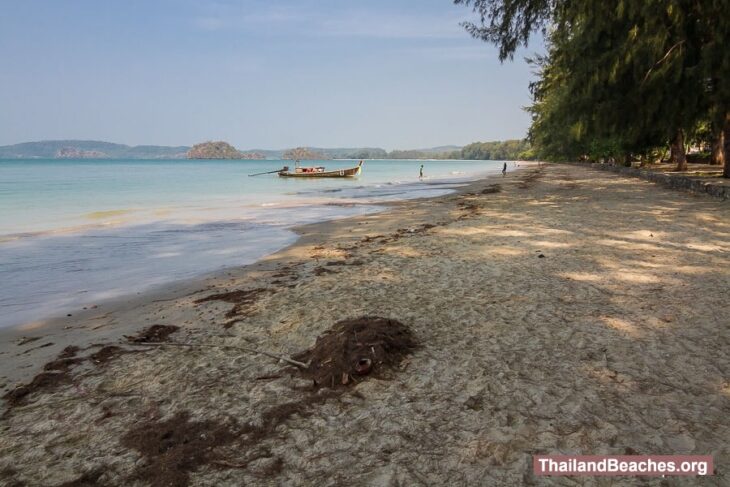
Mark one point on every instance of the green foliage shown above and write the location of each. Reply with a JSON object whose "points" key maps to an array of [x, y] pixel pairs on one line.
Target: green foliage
{"points": [[422, 154], [497, 151], [619, 77], [367, 154], [509, 23]]}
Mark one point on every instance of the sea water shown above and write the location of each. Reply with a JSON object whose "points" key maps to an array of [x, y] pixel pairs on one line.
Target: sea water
{"points": [[76, 232]]}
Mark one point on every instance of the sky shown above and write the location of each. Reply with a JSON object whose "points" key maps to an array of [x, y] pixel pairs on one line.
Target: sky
{"points": [[256, 73]]}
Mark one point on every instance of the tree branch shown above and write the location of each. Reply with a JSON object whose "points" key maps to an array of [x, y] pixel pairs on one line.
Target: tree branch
{"points": [[664, 58]]}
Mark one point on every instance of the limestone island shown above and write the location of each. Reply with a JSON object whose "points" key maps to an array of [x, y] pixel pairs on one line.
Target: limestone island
{"points": [[305, 154], [220, 150]]}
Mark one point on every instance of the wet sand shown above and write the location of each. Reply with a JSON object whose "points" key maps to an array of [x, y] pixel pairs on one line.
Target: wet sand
{"points": [[563, 311]]}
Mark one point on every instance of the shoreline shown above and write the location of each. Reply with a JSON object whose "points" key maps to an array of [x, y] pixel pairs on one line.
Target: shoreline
{"points": [[150, 253], [83, 327], [555, 310]]}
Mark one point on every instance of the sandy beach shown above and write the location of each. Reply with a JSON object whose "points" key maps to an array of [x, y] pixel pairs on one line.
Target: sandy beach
{"points": [[556, 310]]}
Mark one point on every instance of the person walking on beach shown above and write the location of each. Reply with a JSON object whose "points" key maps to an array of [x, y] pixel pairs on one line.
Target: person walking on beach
{"points": [[420, 174], [504, 169]]}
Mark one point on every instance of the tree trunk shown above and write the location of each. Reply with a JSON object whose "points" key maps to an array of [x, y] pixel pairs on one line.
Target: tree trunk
{"points": [[718, 149], [679, 156], [726, 141]]}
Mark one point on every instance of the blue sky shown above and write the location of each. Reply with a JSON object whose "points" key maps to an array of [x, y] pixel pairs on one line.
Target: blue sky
{"points": [[259, 74]]}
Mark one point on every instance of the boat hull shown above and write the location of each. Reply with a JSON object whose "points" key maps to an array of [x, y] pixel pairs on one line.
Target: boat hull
{"points": [[339, 173]]}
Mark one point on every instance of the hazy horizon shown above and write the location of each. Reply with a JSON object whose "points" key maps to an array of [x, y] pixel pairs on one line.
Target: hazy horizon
{"points": [[40, 141], [395, 75]]}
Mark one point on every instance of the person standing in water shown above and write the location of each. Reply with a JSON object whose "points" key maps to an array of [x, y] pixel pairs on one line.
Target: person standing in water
{"points": [[420, 174], [504, 169]]}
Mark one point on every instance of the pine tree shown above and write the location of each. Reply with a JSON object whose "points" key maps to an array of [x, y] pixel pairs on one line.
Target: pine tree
{"points": [[620, 77]]}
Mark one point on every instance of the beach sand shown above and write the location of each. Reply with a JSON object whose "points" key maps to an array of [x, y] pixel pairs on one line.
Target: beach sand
{"points": [[556, 310]]}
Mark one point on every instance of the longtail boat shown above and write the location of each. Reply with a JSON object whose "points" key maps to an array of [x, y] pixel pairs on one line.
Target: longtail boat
{"points": [[320, 172]]}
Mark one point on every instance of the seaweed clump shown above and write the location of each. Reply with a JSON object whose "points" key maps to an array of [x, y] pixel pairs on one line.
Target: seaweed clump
{"points": [[355, 348]]}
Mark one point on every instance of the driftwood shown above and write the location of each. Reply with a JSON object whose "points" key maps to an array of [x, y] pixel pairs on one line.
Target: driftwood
{"points": [[288, 360]]}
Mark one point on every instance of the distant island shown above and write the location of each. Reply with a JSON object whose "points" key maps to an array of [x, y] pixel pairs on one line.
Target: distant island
{"points": [[62, 149], [90, 149], [76, 153], [305, 154], [220, 150]]}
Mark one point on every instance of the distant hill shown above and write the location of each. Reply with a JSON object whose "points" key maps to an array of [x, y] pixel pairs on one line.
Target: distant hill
{"points": [[441, 152], [79, 149], [351, 152], [305, 154], [365, 153], [75, 153], [332, 153], [50, 149], [220, 150], [268, 153], [441, 149]]}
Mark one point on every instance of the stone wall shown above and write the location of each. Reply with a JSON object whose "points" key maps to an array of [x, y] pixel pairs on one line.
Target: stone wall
{"points": [[674, 181]]}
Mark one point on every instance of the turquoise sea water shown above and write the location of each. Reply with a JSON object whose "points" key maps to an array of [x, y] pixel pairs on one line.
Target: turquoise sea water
{"points": [[76, 232]]}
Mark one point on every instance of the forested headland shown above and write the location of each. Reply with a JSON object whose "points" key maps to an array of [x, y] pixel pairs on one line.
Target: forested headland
{"points": [[621, 80], [487, 151], [496, 151]]}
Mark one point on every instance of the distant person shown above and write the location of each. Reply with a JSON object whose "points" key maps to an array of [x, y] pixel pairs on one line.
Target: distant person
{"points": [[504, 169], [420, 173]]}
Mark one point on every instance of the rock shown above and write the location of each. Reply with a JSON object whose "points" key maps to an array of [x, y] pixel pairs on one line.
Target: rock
{"points": [[220, 150]]}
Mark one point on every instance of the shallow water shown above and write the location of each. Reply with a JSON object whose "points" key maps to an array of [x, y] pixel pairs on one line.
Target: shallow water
{"points": [[75, 232]]}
